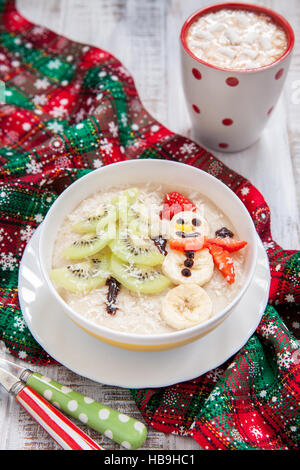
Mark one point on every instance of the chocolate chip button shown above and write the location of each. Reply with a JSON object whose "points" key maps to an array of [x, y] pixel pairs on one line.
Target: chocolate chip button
{"points": [[189, 254], [188, 262], [186, 272]]}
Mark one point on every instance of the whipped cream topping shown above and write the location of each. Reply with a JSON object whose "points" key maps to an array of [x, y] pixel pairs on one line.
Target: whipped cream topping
{"points": [[236, 39]]}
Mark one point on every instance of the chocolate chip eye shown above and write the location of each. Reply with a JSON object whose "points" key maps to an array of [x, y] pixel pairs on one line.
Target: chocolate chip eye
{"points": [[180, 221], [196, 222]]}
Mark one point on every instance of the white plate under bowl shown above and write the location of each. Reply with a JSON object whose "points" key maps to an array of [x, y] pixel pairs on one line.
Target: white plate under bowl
{"points": [[89, 357]]}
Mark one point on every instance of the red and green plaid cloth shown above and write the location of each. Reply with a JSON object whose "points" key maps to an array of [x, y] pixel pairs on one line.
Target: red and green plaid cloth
{"points": [[71, 108]]}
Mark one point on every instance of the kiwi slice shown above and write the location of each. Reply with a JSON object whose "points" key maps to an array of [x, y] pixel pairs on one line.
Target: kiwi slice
{"points": [[133, 248], [104, 216], [90, 244], [139, 219], [141, 279], [139, 228], [123, 202], [83, 277], [131, 194]]}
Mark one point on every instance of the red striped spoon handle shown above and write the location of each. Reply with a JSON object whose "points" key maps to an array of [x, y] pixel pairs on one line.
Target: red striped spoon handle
{"points": [[61, 429]]}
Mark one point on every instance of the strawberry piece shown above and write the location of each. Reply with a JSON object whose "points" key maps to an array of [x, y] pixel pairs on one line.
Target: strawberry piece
{"points": [[223, 261], [175, 202], [228, 244], [168, 212], [187, 244]]}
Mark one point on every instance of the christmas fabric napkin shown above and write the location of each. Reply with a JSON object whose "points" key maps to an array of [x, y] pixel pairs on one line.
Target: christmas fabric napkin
{"points": [[71, 108]]}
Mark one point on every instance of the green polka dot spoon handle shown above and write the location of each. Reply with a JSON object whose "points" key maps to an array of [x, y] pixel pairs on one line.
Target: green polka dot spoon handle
{"points": [[126, 431]]}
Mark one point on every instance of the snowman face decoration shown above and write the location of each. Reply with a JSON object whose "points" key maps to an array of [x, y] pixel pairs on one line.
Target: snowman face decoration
{"points": [[188, 224]]}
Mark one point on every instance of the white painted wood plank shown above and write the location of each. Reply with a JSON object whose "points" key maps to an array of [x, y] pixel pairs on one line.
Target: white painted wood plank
{"points": [[50, 11]]}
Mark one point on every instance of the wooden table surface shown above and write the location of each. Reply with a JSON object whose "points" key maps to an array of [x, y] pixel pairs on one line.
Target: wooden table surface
{"points": [[143, 34]]}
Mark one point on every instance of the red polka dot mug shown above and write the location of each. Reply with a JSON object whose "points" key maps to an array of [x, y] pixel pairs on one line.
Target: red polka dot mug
{"points": [[229, 108]]}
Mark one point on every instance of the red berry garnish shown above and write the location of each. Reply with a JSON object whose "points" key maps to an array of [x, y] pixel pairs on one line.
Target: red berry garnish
{"points": [[175, 202], [223, 261], [228, 244], [187, 244]]}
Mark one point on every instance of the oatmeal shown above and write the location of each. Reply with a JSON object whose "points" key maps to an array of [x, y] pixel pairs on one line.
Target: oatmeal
{"points": [[147, 260], [236, 39]]}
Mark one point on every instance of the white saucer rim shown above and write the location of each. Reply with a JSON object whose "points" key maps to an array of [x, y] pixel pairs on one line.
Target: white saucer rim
{"points": [[66, 363]]}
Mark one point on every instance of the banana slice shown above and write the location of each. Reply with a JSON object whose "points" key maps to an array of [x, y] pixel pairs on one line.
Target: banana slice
{"points": [[185, 306], [187, 224], [198, 271]]}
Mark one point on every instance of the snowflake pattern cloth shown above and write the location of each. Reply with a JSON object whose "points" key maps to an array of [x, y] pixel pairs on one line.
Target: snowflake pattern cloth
{"points": [[71, 108]]}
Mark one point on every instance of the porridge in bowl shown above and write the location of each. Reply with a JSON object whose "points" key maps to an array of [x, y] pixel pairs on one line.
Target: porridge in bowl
{"points": [[147, 259]]}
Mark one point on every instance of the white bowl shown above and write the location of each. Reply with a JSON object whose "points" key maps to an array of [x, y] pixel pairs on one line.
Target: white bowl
{"points": [[132, 173]]}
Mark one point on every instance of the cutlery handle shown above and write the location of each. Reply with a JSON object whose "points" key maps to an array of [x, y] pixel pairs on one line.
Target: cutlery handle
{"points": [[126, 431], [61, 429]]}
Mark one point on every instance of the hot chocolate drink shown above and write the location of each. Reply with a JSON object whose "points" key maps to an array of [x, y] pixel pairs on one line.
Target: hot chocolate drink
{"points": [[236, 39]]}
